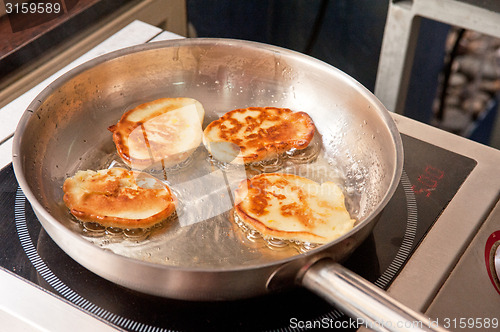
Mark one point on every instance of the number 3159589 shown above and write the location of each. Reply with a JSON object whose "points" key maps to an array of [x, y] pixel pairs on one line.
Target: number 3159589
{"points": [[32, 8]]}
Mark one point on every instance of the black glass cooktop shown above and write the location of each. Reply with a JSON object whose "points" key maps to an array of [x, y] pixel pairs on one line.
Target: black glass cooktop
{"points": [[430, 179]]}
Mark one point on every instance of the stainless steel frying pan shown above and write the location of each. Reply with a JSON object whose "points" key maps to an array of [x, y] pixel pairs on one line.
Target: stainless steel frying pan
{"points": [[202, 255]]}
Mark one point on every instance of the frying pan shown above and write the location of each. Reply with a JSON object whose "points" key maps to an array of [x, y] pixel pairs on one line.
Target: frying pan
{"points": [[202, 254]]}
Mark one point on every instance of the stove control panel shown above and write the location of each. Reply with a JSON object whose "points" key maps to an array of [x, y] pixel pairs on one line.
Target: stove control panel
{"points": [[471, 294], [492, 259]]}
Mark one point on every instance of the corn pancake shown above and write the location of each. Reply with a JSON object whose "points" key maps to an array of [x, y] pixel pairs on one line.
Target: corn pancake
{"points": [[117, 197], [256, 134], [290, 207], [159, 134]]}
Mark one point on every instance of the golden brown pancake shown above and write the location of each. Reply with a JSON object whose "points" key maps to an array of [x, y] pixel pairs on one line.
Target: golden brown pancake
{"points": [[255, 134], [159, 134], [117, 197], [290, 207]]}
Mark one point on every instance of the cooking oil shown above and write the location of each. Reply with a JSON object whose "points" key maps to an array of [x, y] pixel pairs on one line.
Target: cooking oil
{"points": [[271, 242]]}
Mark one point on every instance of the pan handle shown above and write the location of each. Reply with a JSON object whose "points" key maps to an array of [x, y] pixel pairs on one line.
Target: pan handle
{"points": [[358, 298]]}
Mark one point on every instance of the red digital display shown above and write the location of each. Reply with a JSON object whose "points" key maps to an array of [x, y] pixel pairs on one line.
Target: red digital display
{"points": [[428, 181]]}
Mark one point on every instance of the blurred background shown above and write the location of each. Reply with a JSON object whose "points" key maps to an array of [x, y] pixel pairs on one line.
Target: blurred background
{"points": [[455, 80], [462, 65]]}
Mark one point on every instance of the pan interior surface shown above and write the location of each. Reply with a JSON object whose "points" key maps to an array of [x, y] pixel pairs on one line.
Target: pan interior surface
{"points": [[66, 130]]}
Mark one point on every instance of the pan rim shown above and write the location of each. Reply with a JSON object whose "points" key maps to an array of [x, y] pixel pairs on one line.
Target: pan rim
{"points": [[38, 100]]}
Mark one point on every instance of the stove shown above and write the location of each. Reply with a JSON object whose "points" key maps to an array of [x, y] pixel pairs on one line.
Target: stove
{"points": [[431, 250], [431, 179]]}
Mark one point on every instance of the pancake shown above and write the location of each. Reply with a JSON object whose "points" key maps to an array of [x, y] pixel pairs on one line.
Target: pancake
{"points": [[290, 207], [117, 197], [254, 134], [159, 134]]}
